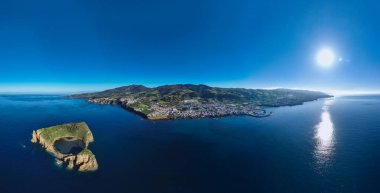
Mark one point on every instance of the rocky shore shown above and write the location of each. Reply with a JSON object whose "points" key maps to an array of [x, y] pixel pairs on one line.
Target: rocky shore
{"points": [[84, 161]]}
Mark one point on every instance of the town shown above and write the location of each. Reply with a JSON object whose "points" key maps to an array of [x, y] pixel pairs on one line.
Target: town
{"points": [[186, 109]]}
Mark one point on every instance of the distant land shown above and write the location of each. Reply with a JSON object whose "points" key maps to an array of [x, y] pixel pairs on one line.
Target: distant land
{"points": [[188, 101]]}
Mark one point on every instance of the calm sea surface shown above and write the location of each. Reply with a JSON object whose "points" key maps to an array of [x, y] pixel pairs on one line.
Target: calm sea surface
{"points": [[328, 145]]}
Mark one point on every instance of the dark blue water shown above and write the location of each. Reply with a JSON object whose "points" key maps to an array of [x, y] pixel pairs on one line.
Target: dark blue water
{"points": [[321, 146], [71, 146]]}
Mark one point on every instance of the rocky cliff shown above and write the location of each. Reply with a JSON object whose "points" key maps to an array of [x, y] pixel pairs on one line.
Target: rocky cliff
{"points": [[84, 161]]}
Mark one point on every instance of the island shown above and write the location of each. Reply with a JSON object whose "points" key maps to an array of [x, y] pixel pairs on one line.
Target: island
{"points": [[68, 143], [188, 101]]}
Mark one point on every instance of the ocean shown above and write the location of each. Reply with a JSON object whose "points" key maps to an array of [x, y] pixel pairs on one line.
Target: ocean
{"points": [[329, 145]]}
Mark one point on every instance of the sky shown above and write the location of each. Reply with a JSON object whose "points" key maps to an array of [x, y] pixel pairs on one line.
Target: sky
{"points": [[89, 45]]}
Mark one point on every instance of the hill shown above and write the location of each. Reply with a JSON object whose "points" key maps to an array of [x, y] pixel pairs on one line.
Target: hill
{"points": [[181, 101]]}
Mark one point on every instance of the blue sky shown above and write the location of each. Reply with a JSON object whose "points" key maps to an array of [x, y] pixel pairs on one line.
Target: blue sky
{"points": [[83, 45]]}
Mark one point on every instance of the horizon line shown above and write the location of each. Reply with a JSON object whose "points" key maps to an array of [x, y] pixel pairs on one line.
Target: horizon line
{"points": [[62, 89]]}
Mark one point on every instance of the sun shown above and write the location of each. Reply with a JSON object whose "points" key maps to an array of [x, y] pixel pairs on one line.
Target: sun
{"points": [[326, 58]]}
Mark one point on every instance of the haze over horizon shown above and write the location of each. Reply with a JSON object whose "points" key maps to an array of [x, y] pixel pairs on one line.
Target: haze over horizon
{"points": [[79, 46]]}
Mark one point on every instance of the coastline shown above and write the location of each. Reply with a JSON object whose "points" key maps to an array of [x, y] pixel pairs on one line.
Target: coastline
{"points": [[188, 101], [145, 117]]}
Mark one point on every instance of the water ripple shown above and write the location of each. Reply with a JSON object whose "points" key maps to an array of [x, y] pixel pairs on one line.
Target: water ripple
{"points": [[324, 137]]}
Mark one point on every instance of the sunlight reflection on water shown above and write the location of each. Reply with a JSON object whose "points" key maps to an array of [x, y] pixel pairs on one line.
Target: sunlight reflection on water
{"points": [[324, 135]]}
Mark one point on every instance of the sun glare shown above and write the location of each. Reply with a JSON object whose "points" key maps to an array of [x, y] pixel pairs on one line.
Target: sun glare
{"points": [[326, 58]]}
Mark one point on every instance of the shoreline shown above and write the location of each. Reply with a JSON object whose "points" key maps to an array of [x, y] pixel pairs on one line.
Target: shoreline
{"points": [[145, 117]]}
